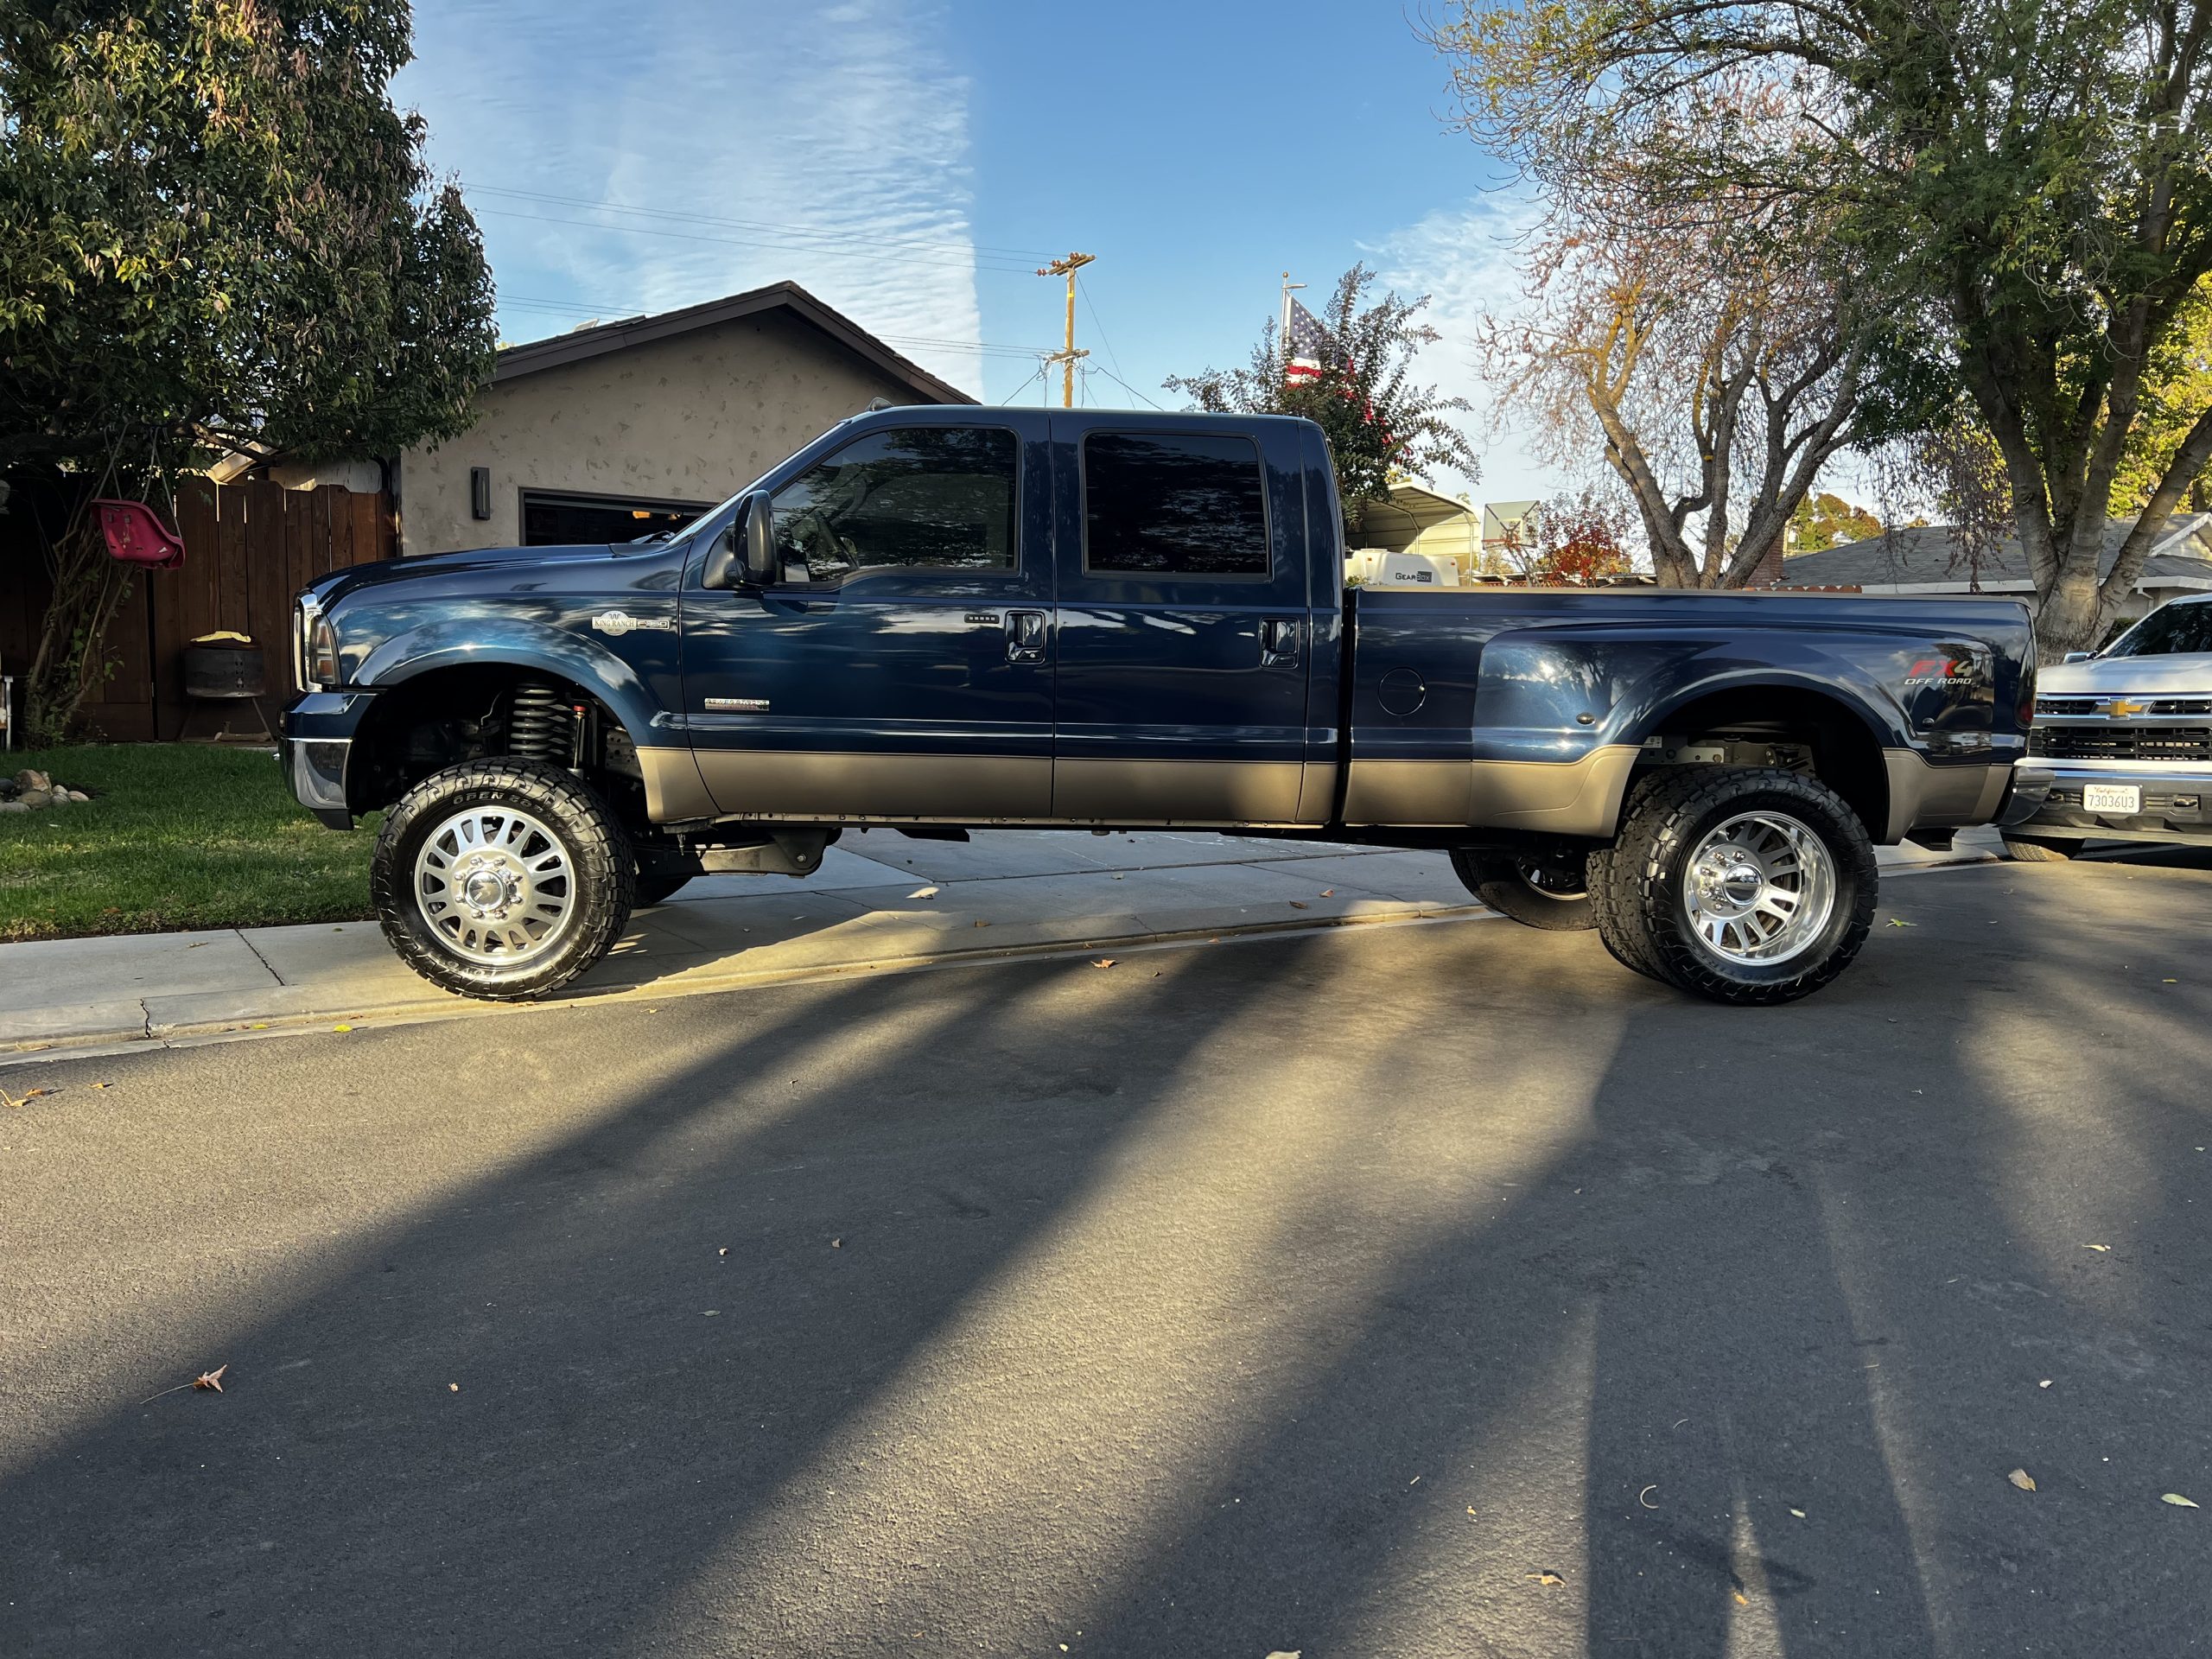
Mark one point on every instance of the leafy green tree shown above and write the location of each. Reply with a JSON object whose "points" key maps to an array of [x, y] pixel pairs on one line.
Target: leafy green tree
{"points": [[1824, 520], [218, 234], [1382, 427], [2025, 190]]}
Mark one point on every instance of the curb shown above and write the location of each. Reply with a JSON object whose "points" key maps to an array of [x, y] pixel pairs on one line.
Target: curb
{"points": [[141, 1040]]}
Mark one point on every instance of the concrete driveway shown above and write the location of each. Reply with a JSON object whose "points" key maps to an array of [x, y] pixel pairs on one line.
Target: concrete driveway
{"points": [[1430, 1290]]}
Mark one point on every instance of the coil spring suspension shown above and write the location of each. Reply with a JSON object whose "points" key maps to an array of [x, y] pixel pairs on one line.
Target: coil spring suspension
{"points": [[538, 725]]}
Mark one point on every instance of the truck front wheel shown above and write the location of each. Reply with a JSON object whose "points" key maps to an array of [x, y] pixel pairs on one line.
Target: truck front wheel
{"points": [[502, 879], [1547, 890], [1751, 885]]}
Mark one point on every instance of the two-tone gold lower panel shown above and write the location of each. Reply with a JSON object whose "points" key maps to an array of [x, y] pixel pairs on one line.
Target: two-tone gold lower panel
{"points": [[1921, 795], [1179, 792], [834, 788], [1553, 797], [674, 788]]}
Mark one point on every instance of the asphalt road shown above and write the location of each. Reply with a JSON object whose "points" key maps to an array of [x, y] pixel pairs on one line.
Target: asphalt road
{"points": [[1332, 1294]]}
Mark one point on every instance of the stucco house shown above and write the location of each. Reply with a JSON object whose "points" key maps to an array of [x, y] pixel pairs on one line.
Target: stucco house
{"points": [[1929, 559], [614, 431]]}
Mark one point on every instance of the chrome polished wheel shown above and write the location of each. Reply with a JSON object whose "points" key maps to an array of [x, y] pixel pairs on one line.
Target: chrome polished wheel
{"points": [[1555, 877], [1759, 888], [496, 885]]}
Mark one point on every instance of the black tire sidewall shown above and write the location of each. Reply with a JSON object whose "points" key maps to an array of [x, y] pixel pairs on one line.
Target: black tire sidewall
{"points": [[1673, 825], [1496, 878], [598, 850]]}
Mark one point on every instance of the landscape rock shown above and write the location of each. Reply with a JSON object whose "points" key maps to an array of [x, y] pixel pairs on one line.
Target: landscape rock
{"points": [[13, 806], [33, 798], [58, 798], [78, 795], [28, 780]]}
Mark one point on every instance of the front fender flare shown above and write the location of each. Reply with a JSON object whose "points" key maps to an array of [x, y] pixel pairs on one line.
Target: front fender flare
{"points": [[554, 651]]}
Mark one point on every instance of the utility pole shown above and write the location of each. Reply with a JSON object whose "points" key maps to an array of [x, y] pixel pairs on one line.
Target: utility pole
{"points": [[1067, 268]]}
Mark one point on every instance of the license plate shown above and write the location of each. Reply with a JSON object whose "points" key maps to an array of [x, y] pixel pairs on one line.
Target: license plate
{"points": [[2126, 799]]}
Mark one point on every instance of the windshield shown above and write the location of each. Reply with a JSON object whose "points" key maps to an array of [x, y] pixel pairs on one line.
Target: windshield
{"points": [[2167, 631]]}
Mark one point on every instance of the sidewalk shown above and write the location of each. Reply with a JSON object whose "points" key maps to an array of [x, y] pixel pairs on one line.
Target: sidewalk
{"points": [[879, 901]]}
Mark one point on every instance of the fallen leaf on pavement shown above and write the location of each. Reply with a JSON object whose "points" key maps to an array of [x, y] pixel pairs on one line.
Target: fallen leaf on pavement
{"points": [[923, 893], [2097, 1247], [212, 1379], [2044, 1383], [341, 1027], [452, 1388], [1328, 893], [723, 1251], [1104, 961], [1800, 1514], [2023, 1479], [1544, 1578], [2178, 1501], [982, 924], [103, 1085], [1299, 903], [1895, 923], [836, 1244], [1742, 1600]]}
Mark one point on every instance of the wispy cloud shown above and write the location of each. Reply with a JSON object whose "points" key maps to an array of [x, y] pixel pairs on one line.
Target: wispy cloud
{"points": [[1463, 257], [825, 145]]}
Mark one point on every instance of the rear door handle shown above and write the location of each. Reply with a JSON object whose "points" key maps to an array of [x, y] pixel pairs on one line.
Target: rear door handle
{"points": [[1024, 636], [1279, 642]]}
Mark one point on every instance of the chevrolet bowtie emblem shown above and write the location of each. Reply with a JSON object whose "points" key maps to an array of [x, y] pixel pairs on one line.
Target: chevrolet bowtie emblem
{"points": [[2126, 708]]}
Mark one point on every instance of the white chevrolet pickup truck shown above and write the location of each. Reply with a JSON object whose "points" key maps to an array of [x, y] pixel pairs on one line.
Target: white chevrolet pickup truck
{"points": [[2128, 734]]}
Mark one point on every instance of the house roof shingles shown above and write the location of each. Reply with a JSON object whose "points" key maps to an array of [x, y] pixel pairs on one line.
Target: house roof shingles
{"points": [[1927, 556], [540, 354]]}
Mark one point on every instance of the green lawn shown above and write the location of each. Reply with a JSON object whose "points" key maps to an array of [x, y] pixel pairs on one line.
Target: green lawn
{"points": [[176, 835]]}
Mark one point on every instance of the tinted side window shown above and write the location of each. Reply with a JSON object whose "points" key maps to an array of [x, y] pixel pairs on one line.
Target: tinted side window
{"points": [[1173, 504], [937, 497], [2173, 629]]}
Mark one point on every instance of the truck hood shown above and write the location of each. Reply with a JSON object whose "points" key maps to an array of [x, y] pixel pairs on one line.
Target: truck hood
{"points": [[357, 577], [2179, 672]]}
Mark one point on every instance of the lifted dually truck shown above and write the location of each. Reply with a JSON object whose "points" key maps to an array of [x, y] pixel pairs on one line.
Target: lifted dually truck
{"points": [[944, 619]]}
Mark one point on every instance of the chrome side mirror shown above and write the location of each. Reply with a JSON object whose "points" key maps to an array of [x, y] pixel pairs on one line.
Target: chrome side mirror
{"points": [[2078, 657]]}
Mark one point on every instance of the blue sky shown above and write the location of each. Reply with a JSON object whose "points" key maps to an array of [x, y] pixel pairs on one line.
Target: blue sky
{"points": [[913, 163]]}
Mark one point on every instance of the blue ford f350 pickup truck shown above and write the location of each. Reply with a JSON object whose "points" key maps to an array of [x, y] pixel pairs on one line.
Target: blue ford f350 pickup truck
{"points": [[943, 618]]}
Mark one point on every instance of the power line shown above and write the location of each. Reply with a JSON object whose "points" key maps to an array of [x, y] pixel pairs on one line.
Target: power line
{"points": [[1089, 306], [781, 229], [1039, 374], [1126, 386]]}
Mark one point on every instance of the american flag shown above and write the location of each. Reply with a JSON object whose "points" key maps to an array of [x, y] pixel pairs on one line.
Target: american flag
{"points": [[1306, 346]]}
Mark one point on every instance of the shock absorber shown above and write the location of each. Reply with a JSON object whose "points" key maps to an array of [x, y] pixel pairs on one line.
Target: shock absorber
{"points": [[539, 724]]}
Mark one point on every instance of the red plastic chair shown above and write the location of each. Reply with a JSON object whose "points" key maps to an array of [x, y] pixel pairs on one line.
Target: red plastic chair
{"points": [[137, 537]]}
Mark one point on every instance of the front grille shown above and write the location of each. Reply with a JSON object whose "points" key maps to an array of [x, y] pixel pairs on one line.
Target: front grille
{"points": [[2122, 742], [2182, 706], [2066, 705]]}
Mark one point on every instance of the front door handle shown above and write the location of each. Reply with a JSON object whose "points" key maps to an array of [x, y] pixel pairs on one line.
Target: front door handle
{"points": [[1024, 636], [1279, 642]]}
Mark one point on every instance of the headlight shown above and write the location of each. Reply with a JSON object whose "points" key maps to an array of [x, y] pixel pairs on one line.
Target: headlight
{"points": [[315, 647], [322, 653]]}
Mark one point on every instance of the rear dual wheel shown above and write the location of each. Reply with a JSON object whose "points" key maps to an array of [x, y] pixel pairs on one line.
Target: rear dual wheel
{"points": [[1549, 890], [1749, 886]]}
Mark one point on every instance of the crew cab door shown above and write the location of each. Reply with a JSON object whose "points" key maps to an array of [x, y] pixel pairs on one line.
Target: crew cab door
{"points": [[900, 663], [1186, 628]]}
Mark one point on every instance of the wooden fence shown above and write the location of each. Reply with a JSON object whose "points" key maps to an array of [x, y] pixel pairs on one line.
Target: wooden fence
{"points": [[249, 548]]}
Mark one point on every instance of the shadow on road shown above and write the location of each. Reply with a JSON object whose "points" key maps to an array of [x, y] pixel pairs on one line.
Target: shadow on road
{"points": [[1323, 1294]]}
